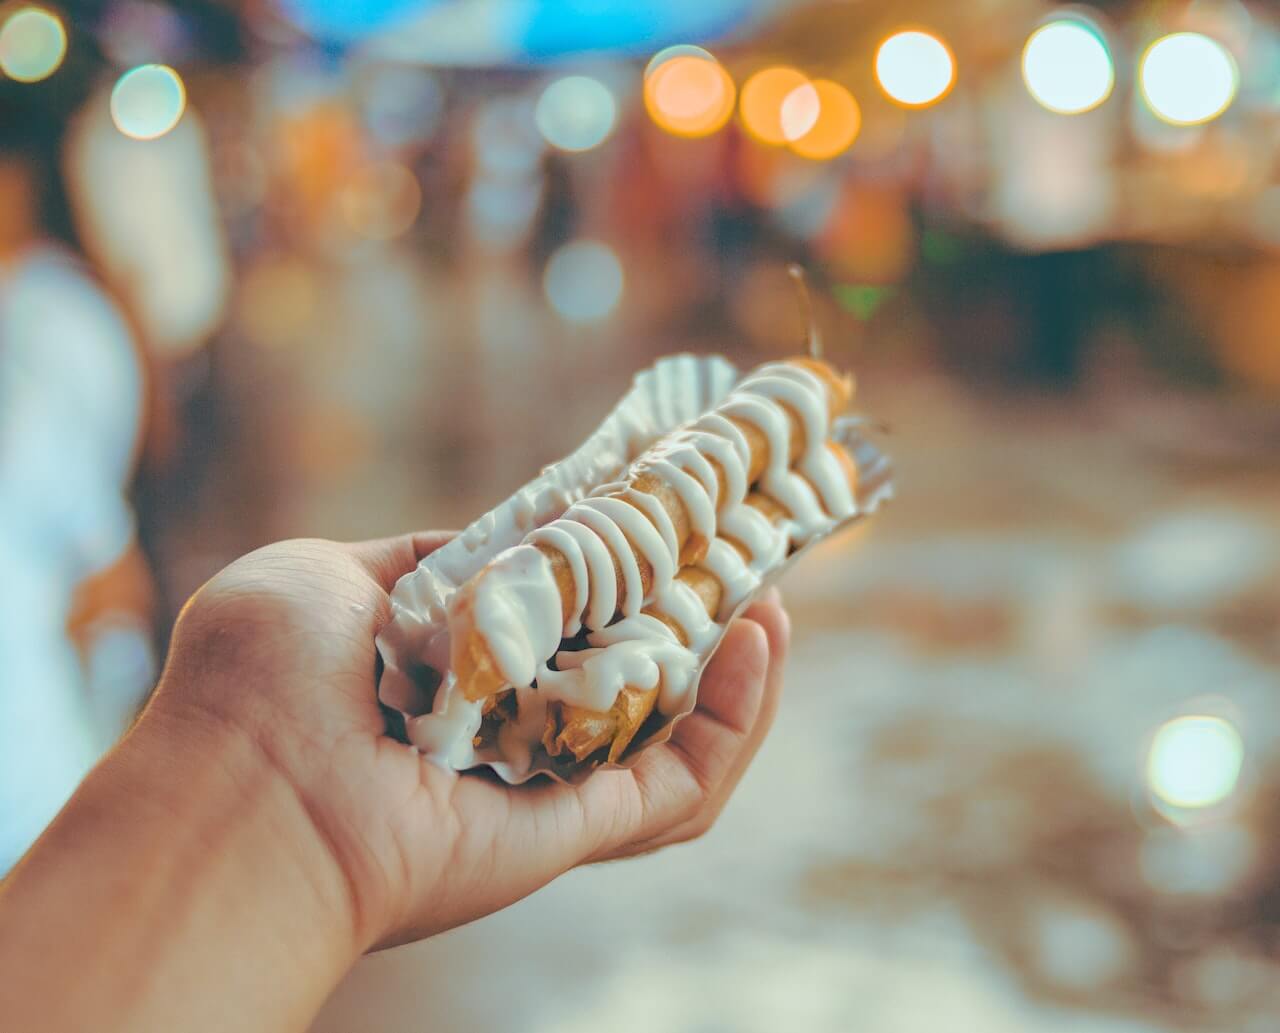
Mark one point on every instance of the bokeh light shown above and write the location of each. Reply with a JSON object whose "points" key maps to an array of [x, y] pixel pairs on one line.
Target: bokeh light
{"points": [[402, 104], [761, 104], [1067, 67], [1188, 78], [799, 113], [583, 281], [679, 50], [1195, 761], [32, 44], [134, 32], [915, 68], [381, 201], [576, 113], [836, 119], [148, 101], [689, 94], [505, 137]]}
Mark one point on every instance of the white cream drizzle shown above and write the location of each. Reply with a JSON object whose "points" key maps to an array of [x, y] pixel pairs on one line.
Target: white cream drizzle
{"points": [[595, 676], [737, 580], [566, 540], [517, 600], [642, 538], [448, 730], [682, 604], [519, 606], [698, 496], [652, 507]]}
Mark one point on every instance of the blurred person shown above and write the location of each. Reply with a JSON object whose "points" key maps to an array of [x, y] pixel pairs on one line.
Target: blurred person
{"points": [[257, 830], [146, 216], [71, 395]]}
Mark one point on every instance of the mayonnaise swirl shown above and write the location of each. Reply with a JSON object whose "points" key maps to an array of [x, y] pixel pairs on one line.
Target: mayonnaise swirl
{"points": [[616, 535]]}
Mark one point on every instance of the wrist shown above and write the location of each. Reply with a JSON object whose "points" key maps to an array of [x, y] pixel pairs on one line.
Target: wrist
{"points": [[188, 853], [226, 788]]}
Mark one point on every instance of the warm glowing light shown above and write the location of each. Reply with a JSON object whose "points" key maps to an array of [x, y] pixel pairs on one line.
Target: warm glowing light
{"points": [[836, 119], [689, 94], [763, 97], [148, 101], [381, 201], [32, 44], [1188, 78], [583, 281], [1195, 761], [915, 68], [1067, 67], [679, 50], [576, 113], [799, 113]]}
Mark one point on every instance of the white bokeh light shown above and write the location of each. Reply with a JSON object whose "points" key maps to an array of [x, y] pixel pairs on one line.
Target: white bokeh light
{"points": [[1187, 78], [679, 50], [148, 101], [576, 113], [1067, 67], [800, 111], [915, 68], [1195, 761], [32, 44], [583, 281]]}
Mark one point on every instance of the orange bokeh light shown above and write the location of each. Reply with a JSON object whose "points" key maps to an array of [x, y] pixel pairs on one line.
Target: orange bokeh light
{"points": [[381, 201], [836, 124], [689, 95], [762, 99]]}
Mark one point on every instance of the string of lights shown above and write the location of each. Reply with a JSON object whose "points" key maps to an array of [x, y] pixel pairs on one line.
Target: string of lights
{"points": [[1068, 66]]}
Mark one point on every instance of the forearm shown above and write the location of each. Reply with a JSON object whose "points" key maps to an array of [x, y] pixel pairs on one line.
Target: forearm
{"points": [[183, 887]]}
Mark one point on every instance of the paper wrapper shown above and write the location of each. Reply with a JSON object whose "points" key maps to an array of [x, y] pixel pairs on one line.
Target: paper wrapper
{"points": [[415, 643]]}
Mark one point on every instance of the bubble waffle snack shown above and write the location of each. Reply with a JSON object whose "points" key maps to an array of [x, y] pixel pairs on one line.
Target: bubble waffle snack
{"points": [[568, 627]]}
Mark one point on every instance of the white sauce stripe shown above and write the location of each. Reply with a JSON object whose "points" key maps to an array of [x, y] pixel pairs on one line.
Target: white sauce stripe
{"points": [[556, 536], [657, 513], [641, 538], [737, 580], [771, 419], [693, 495], [683, 453], [721, 438], [619, 551], [616, 522]]}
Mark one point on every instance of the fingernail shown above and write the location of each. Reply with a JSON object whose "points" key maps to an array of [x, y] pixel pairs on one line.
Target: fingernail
{"points": [[773, 596]]}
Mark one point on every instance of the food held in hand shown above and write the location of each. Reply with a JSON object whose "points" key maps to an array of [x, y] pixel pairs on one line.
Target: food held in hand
{"points": [[586, 634], [643, 572]]}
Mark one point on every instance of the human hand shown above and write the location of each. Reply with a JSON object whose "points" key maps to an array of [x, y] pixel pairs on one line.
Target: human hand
{"points": [[277, 652]]}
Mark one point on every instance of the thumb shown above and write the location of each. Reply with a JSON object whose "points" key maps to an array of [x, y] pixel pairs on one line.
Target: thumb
{"points": [[389, 559]]}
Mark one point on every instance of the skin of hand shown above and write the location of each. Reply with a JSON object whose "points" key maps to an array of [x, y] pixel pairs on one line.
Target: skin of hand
{"points": [[259, 810], [420, 848]]}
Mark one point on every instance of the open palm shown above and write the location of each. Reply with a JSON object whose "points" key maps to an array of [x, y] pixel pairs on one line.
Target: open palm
{"points": [[279, 647]]}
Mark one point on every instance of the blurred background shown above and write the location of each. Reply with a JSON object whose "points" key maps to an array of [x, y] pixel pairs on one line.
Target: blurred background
{"points": [[310, 267]]}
